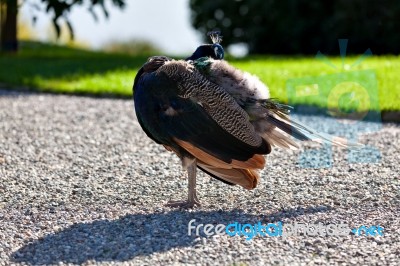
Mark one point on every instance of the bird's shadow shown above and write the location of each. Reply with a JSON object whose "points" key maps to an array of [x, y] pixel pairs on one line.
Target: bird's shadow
{"points": [[135, 235]]}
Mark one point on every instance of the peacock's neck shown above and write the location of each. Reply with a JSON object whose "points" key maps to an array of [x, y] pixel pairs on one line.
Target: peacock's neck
{"points": [[202, 64]]}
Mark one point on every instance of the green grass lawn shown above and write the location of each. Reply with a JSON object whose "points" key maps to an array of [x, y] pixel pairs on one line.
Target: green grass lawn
{"points": [[293, 80]]}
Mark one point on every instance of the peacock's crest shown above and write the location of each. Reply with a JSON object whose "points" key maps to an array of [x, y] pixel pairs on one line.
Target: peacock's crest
{"points": [[215, 36]]}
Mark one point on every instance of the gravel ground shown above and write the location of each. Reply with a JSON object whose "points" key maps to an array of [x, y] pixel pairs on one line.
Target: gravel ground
{"points": [[82, 184]]}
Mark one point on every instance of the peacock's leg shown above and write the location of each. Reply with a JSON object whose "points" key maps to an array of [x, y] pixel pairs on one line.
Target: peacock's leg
{"points": [[192, 196]]}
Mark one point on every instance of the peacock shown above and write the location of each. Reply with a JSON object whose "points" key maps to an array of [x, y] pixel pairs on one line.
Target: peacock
{"points": [[214, 117]]}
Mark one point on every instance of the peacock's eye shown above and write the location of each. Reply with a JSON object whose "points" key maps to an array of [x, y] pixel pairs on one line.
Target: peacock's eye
{"points": [[216, 51]]}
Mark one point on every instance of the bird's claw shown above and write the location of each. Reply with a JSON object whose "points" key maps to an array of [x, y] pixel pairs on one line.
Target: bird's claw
{"points": [[186, 204]]}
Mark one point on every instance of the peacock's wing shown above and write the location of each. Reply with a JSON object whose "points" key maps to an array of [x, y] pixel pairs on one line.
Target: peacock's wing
{"points": [[181, 109]]}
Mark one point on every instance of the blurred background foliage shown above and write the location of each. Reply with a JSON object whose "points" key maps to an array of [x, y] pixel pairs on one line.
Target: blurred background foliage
{"points": [[132, 47], [59, 9], [280, 36], [302, 26]]}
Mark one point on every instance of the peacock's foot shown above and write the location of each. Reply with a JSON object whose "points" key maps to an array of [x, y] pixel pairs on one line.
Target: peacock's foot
{"points": [[187, 204], [192, 195]]}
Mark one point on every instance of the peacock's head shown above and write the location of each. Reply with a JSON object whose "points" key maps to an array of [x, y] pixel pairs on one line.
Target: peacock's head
{"points": [[215, 50], [218, 51]]}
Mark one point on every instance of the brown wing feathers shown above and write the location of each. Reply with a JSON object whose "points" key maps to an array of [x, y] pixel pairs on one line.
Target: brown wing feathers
{"points": [[246, 178], [242, 173], [255, 162]]}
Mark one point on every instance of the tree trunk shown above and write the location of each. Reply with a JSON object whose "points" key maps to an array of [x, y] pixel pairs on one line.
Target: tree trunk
{"points": [[9, 42]]}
